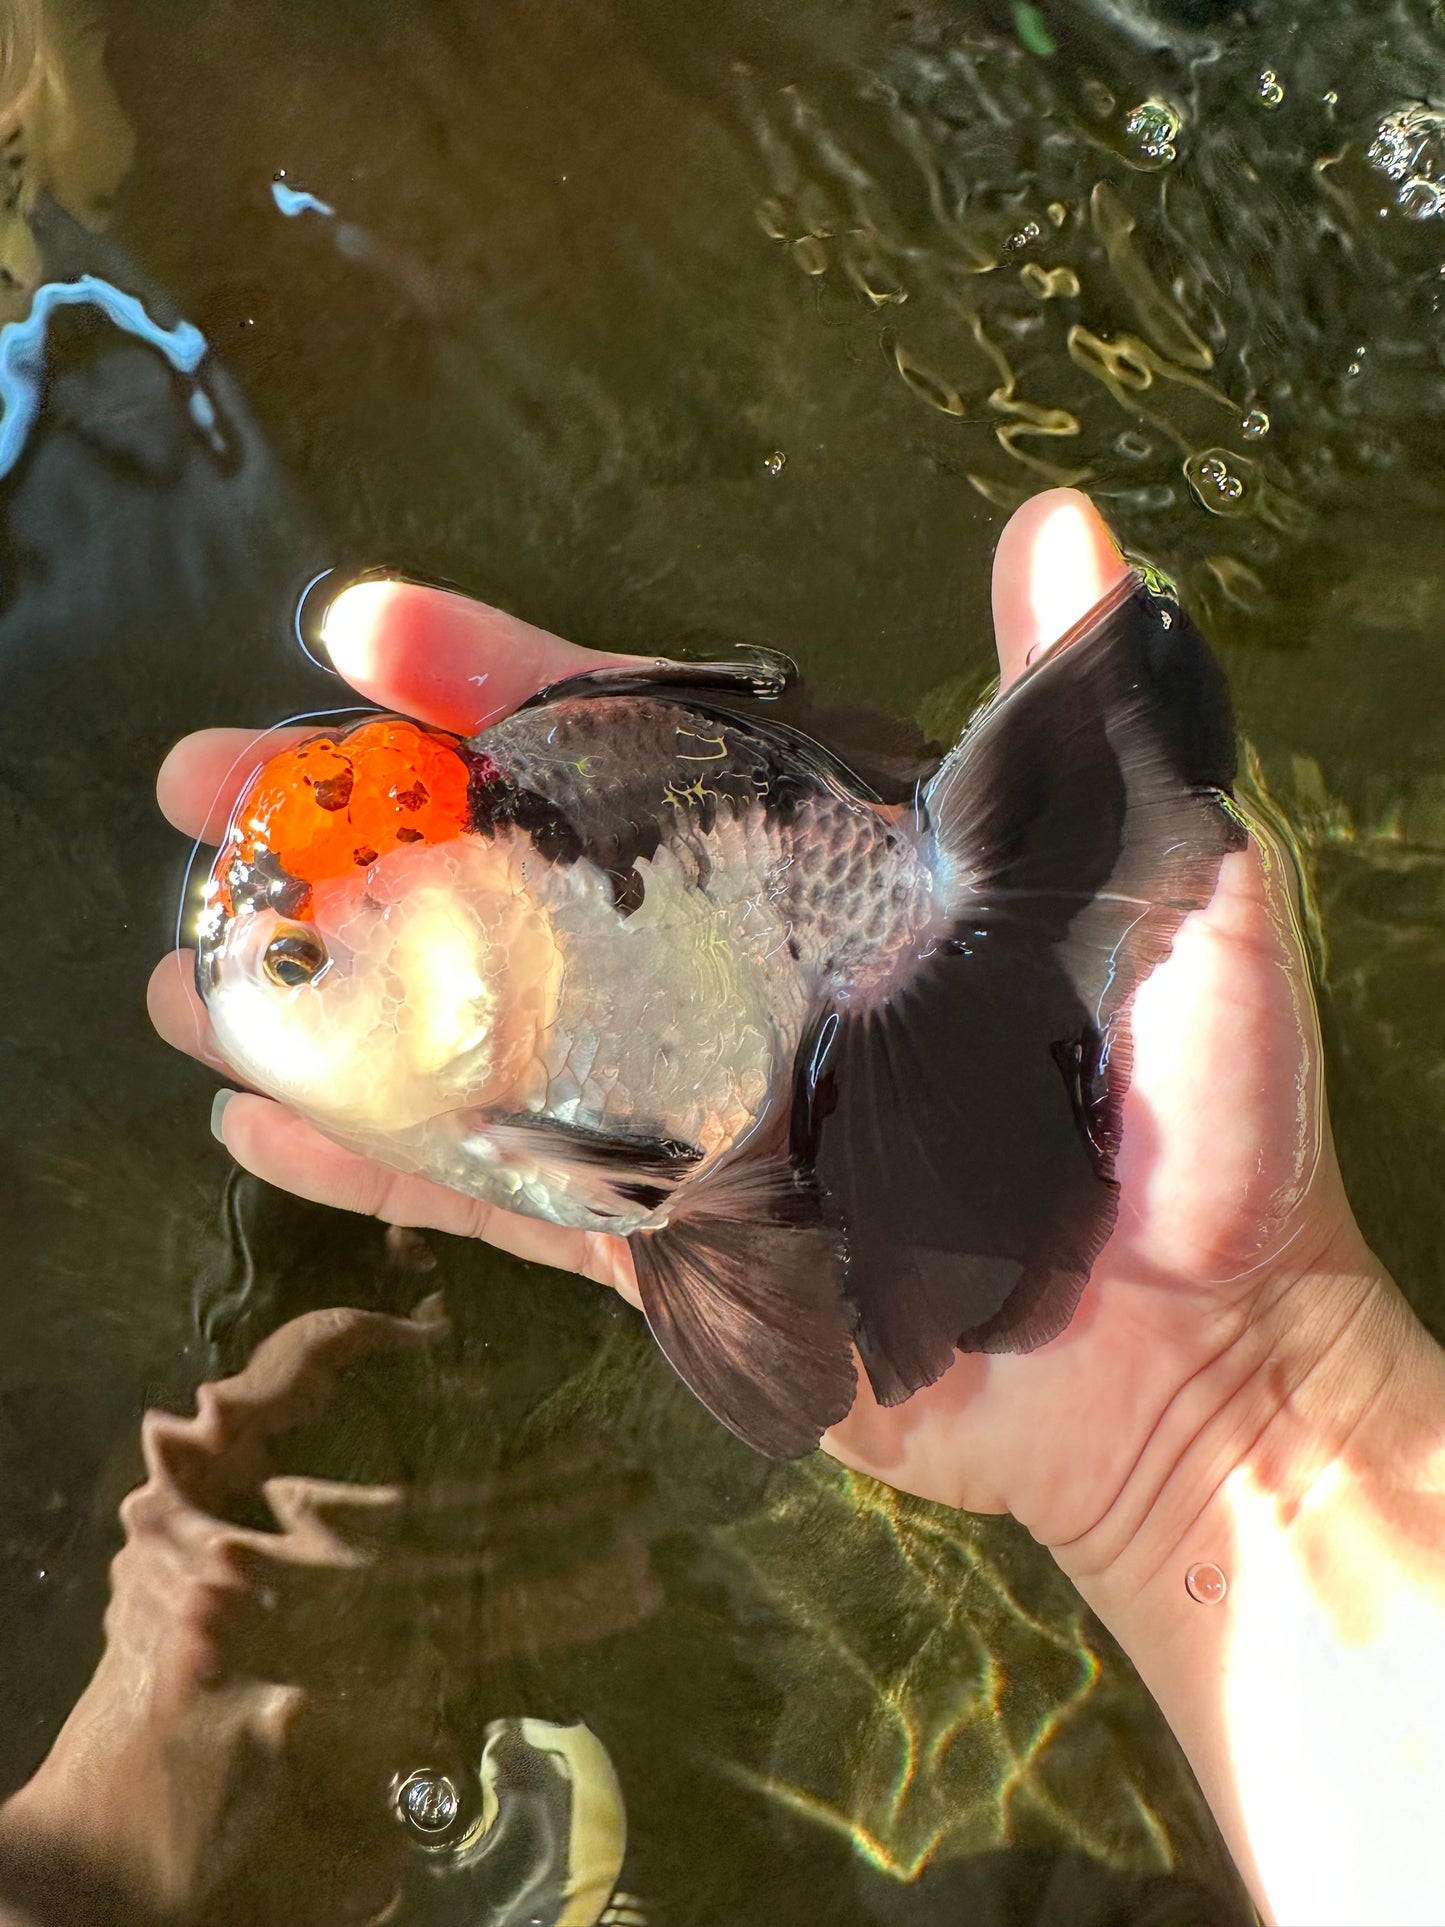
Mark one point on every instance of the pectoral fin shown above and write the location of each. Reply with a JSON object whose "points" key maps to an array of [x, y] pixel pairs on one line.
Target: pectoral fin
{"points": [[611, 1174]]}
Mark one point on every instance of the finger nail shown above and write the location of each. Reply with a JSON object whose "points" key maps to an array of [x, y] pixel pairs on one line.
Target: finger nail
{"points": [[351, 623], [1074, 560], [218, 1111]]}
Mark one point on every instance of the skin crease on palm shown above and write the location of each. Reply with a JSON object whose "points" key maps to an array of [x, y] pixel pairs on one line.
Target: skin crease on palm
{"points": [[1229, 1187]]}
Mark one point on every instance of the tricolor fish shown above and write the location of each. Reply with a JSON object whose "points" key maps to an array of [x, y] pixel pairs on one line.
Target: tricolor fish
{"points": [[837, 1041]]}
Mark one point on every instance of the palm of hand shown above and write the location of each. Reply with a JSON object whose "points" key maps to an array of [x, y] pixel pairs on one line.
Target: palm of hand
{"points": [[1220, 1170]]}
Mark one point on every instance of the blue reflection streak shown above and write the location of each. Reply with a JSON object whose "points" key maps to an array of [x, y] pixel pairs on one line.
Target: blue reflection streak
{"points": [[22, 350], [295, 200]]}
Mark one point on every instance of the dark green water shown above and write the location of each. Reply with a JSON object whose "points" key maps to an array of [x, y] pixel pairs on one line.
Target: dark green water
{"points": [[664, 326]]}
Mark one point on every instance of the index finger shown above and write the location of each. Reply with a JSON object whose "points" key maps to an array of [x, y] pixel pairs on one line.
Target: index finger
{"points": [[427, 653], [443, 658]]}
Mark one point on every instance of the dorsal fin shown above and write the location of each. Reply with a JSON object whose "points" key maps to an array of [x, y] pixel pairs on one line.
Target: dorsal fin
{"points": [[876, 756]]}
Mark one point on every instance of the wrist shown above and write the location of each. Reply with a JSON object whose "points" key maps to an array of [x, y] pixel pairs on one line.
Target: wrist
{"points": [[1323, 1377], [1275, 1568]]}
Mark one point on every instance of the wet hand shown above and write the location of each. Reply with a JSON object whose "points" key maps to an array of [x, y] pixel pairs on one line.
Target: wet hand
{"points": [[1229, 1192]]}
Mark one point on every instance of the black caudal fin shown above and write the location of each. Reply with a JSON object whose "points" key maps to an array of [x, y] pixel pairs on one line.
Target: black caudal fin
{"points": [[967, 1130], [742, 1288]]}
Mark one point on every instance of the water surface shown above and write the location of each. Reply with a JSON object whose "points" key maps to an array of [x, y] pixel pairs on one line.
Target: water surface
{"points": [[669, 327]]}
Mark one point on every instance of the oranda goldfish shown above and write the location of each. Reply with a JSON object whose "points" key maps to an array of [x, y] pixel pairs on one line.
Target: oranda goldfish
{"points": [[838, 1046]]}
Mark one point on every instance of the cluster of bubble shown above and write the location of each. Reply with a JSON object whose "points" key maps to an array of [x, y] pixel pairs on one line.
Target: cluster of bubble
{"points": [[1211, 473], [1409, 149], [1154, 126]]}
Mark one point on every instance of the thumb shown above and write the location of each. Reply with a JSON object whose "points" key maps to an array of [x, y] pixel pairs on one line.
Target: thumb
{"points": [[1055, 560]]}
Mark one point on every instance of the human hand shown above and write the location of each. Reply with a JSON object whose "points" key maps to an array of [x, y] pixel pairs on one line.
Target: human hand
{"points": [[1229, 1192]]}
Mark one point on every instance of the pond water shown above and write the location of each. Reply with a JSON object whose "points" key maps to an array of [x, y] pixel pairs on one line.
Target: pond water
{"points": [[668, 327]]}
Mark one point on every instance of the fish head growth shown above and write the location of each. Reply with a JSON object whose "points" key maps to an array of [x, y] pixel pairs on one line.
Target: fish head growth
{"points": [[365, 954]]}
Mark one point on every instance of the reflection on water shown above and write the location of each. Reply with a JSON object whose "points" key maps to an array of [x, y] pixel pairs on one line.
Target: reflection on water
{"points": [[664, 330]]}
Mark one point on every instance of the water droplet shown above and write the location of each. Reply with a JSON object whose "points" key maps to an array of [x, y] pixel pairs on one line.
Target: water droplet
{"points": [[1409, 149], [1153, 126], [1213, 479], [428, 1801], [1256, 425], [773, 461], [1133, 445], [1271, 89], [1206, 1583]]}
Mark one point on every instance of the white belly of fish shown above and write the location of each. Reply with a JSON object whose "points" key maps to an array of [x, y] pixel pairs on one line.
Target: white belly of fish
{"points": [[677, 1022]]}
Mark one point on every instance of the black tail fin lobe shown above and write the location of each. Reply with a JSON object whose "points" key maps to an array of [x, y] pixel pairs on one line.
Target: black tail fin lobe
{"points": [[742, 1288], [968, 1129]]}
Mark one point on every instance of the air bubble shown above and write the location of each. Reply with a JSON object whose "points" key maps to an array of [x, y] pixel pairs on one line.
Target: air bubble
{"points": [[1409, 149], [1271, 89], [1154, 126], [1205, 1583], [1215, 482], [1217, 475], [1133, 446], [1256, 425], [775, 461], [428, 1802], [1023, 237]]}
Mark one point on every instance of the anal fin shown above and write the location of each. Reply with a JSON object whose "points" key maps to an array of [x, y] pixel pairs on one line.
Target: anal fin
{"points": [[742, 1289]]}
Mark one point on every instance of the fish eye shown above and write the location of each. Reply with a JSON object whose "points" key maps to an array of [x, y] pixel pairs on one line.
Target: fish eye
{"points": [[294, 958]]}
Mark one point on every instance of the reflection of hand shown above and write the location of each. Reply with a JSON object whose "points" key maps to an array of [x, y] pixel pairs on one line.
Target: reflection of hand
{"points": [[1212, 1227], [259, 1688]]}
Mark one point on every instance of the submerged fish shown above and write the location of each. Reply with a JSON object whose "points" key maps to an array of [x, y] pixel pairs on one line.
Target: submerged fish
{"points": [[836, 1041]]}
